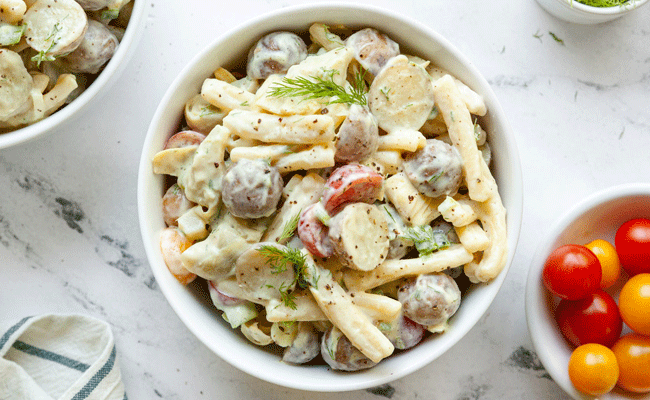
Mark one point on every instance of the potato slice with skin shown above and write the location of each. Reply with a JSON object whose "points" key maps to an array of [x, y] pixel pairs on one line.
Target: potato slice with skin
{"points": [[96, 48], [359, 235], [15, 84], [256, 276], [55, 27], [401, 96]]}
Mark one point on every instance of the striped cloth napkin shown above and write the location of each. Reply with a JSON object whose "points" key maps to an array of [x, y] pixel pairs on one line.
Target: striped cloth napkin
{"points": [[59, 357]]}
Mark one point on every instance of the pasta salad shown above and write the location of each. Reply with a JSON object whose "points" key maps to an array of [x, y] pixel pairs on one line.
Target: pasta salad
{"points": [[332, 195]]}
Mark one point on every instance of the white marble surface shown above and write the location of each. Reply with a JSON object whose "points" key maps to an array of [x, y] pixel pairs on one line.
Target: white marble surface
{"points": [[69, 236]]}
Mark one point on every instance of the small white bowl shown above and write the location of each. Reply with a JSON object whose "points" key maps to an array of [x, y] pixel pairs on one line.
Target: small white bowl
{"points": [[192, 303], [576, 12], [100, 85], [596, 217]]}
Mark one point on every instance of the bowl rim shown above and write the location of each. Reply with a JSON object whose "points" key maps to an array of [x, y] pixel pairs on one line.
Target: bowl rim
{"points": [[536, 292], [514, 211], [111, 72], [604, 11]]}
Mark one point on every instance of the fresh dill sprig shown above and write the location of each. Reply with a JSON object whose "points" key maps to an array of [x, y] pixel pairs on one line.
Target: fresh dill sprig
{"points": [[316, 87], [280, 260], [289, 227], [437, 176], [43, 54], [556, 38], [287, 297], [426, 239]]}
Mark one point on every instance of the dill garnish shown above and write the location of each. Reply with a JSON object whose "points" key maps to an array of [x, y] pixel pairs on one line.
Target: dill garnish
{"points": [[43, 54], [315, 87], [289, 227], [557, 39], [280, 260]]}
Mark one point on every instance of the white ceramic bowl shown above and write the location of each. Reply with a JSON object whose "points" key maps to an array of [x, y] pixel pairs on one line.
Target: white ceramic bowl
{"points": [[596, 217], [100, 85], [576, 12], [192, 303]]}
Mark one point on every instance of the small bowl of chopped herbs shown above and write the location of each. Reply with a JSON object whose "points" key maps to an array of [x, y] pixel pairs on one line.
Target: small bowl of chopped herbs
{"points": [[590, 11]]}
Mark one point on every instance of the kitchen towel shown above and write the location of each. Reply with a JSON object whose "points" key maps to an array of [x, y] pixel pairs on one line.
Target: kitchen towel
{"points": [[59, 357]]}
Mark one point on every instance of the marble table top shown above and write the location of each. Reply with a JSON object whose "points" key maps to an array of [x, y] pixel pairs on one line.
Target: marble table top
{"points": [[69, 235]]}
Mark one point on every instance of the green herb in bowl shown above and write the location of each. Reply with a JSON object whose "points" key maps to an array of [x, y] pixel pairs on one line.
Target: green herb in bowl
{"points": [[605, 3]]}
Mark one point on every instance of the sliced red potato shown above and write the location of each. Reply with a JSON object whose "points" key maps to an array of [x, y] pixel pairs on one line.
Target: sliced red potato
{"points": [[401, 96], [96, 48], [184, 139], [15, 85], [54, 27], [259, 278], [359, 234]]}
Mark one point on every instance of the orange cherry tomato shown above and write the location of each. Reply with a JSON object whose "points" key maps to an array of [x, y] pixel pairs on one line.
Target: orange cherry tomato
{"points": [[633, 356], [593, 369], [634, 303], [609, 262]]}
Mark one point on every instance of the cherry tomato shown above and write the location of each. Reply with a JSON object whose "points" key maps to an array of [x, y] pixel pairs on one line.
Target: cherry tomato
{"points": [[634, 303], [609, 262], [633, 356], [572, 272], [594, 319], [349, 184], [633, 246], [593, 369]]}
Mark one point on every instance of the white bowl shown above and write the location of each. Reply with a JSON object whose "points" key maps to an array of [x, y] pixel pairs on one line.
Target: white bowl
{"points": [[596, 217], [100, 85], [192, 303], [574, 11]]}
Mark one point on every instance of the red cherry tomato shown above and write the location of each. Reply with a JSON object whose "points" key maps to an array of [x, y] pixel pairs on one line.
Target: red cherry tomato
{"points": [[633, 246], [572, 272], [594, 319]]}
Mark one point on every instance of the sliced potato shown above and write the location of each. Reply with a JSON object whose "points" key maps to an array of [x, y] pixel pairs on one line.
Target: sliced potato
{"points": [[259, 278], [54, 27], [401, 96], [15, 85], [359, 234], [201, 115]]}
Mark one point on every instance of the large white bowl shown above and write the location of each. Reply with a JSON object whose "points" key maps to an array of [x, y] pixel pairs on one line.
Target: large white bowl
{"points": [[576, 12], [100, 85], [596, 217], [192, 303]]}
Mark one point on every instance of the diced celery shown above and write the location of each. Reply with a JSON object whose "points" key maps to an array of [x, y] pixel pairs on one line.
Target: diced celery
{"points": [[10, 34]]}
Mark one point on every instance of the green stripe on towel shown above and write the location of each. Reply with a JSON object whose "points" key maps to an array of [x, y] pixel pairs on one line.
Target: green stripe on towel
{"points": [[11, 331], [50, 356], [96, 380]]}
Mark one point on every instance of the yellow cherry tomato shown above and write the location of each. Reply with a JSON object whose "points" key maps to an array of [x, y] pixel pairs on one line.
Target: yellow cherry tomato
{"points": [[593, 369], [633, 356], [609, 262], [634, 304]]}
